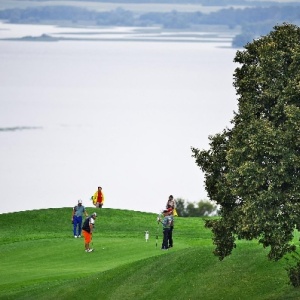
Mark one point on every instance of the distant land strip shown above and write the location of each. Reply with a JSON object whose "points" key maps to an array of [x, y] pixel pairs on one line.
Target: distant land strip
{"points": [[19, 128], [200, 39]]}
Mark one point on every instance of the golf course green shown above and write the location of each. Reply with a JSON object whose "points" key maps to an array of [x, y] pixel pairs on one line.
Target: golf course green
{"points": [[40, 259]]}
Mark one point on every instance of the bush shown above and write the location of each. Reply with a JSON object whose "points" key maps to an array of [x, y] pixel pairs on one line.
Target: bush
{"points": [[294, 271]]}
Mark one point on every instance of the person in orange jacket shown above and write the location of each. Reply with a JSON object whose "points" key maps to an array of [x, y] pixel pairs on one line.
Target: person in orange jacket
{"points": [[98, 198]]}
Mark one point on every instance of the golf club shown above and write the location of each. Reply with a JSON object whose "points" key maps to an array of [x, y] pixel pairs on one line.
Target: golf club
{"points": [[157, 233]]}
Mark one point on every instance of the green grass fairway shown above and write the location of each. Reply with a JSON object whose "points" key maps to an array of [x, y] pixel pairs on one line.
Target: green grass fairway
{"points": [[40, 259]]}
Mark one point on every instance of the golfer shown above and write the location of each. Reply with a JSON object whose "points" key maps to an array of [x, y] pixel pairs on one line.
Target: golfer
{"points": [[166, 222], [171, 202], [87, 229], [77, 213]]}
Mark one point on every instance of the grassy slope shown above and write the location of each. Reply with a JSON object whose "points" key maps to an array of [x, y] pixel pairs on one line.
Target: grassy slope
{"points": [[41, 260]]}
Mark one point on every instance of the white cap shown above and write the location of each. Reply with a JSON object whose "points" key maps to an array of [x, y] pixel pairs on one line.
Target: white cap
{"points": [[80, 201]]}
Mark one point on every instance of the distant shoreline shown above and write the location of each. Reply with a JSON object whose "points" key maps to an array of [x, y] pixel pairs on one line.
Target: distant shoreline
{"points": [[53, 33]]}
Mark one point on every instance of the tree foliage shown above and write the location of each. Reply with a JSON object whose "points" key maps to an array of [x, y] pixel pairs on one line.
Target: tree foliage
{"points": [[190, 209], [253, 169]]}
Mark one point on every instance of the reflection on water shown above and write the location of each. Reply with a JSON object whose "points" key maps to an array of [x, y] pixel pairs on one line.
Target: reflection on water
{"points": [[49, 32]]}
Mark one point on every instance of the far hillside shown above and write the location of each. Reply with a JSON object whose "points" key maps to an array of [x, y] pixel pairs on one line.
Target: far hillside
{"points": [[250, 19]]}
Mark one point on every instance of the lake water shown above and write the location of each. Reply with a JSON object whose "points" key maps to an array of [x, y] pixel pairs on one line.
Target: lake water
{"points": [[120, 114]]}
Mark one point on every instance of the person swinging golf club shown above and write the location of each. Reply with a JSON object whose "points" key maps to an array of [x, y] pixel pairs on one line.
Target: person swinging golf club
{"points": [[87, 230]]}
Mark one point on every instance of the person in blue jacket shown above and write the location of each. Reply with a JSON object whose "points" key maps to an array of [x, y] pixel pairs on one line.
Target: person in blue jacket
{"points": [[77, 214]]}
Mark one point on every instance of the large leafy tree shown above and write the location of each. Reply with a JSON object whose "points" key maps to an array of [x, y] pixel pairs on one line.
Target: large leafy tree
{"points": [[252, 170]]}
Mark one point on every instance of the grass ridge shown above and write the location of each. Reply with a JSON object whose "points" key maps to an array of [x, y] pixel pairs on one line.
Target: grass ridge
{"points": [[42, 260]]}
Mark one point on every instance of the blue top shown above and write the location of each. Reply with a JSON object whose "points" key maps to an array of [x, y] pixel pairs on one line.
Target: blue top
{"points": [[166, 222], [79, 210]]}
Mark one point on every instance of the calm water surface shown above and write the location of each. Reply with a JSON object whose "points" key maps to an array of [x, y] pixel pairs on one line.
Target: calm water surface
{"points": [[118, 114]]}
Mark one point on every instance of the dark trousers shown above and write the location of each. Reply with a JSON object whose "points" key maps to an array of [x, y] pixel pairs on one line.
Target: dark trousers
{"points": [[165, 238], [77, 222], [170, 238]]}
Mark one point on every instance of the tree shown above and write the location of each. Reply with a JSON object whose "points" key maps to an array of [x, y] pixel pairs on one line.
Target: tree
{"points": [[189, 209], [200, 209], [206, 208], [253, 169], [180, 207]]}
